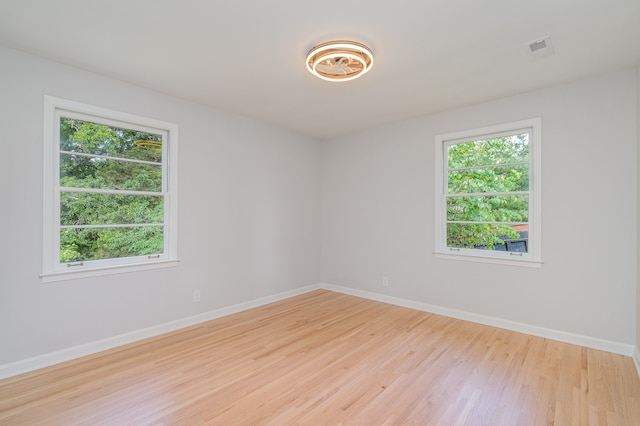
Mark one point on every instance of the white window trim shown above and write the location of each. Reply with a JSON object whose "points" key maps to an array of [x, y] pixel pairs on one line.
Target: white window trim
{"points": [[52, 268], [531, 259]]}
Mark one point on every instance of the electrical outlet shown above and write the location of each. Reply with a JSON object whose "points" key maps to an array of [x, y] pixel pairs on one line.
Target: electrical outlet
{"points": [[385, 281], [196, 295]]}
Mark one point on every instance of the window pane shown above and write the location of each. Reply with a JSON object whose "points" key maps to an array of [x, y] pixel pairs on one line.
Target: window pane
{"points": [[99, 139], [480, 208], [80, 208], [110, 243], [90, 172], [503, 150], [487, 237], [489, 179]]}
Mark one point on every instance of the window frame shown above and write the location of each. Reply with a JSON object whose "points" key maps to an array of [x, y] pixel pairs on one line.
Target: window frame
{"points": [[54, 270], [533, 258]]}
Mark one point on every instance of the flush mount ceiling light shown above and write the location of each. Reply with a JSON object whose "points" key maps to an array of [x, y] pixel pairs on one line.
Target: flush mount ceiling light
{"points": [[339, 60]]}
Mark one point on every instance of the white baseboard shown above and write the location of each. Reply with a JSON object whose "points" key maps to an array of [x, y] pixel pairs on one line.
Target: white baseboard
{"points": [[562, 336], [47, 360]]}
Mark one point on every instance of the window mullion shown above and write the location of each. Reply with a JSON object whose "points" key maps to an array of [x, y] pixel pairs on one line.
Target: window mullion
{"points": [[486, 223], [112, 225], [111, 191], [107, 157], [487, 166], [487, 194]]}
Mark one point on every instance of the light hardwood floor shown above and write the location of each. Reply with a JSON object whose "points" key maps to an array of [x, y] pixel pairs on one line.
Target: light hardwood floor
{"points": [[329, 358]]}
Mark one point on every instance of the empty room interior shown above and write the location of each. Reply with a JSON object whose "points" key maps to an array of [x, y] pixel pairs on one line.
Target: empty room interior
{"points": [[285, 212]]}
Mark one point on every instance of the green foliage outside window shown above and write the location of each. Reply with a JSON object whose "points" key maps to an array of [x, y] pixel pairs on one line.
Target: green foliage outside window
{"points": [[94, 157], [478, 173]]}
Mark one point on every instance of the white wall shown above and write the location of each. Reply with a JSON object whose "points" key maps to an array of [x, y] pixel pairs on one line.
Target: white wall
{"points": [[253, 198], [637, 354], [248, 215], [378, 213]]}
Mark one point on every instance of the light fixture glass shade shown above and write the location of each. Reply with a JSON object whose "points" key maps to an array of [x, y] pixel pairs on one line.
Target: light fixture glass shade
{"points": [[339, 60]]}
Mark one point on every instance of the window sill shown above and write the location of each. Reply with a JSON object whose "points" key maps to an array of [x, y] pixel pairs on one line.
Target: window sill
{"points": [[528, 263], [96, 272]]}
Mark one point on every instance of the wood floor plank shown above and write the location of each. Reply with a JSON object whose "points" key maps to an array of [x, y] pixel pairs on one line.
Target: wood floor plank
{"points": [[329, 358]]}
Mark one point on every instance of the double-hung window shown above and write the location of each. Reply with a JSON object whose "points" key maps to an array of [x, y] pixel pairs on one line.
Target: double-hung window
{"points": [[110, 191], [488, 194]]}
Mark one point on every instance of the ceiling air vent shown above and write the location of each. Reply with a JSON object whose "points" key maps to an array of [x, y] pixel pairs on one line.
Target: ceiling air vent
{"points": [[539, 48]]}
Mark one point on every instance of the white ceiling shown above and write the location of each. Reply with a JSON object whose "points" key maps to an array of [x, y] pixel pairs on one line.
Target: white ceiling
{"points": [[247, 56]]}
